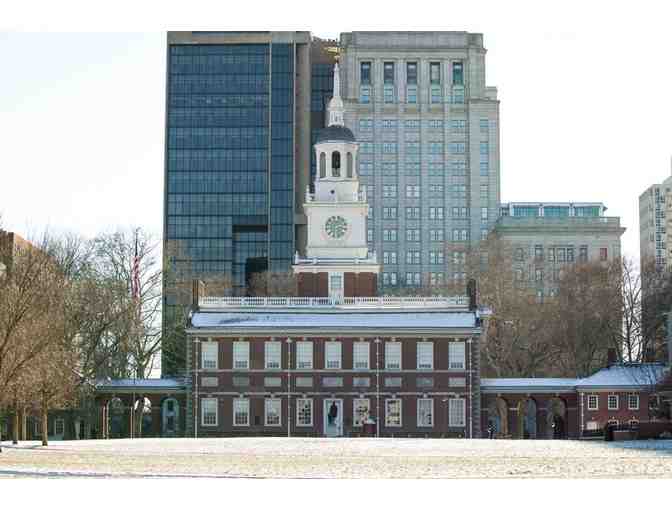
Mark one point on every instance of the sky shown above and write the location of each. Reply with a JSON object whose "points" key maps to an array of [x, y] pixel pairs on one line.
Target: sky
{"points": [[585, 90]]}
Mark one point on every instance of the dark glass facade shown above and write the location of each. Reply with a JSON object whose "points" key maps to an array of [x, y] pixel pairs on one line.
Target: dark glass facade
{"points": [[230, 159], [322, 88]]}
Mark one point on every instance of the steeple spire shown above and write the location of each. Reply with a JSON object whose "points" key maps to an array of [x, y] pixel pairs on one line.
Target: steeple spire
{"points": [[335, 107]]}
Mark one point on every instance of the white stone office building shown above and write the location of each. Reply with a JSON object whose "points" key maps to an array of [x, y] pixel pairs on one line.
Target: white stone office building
{"points": [[428, 129], [546, 237], [653, 217]]}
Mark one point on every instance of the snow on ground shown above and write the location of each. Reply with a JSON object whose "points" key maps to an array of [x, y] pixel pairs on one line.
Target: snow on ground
{"points": [[339, 458]]}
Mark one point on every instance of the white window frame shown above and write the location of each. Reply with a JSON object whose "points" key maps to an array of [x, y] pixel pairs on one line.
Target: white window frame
{"points": [[630, 406], [57, 422], [268, 403], [333, 355], [388, 422], [209, 355], [357, 418], [425, 355], [457, 350], [304, 355], [609, 406], [300, 404], [241, 355], [589, 401], [204, 404], [453, 404], [431, 412], [272, 355], [245, 402], [392, 356], [361, 355]]}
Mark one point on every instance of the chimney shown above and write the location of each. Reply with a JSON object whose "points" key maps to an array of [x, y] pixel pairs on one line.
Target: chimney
{"points": [[471, 292], [197, 291], [612, 357]]}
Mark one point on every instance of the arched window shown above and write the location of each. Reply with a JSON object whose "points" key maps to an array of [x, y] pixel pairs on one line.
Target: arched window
{"points": [[323, 165], [335, 164], [349, 170]]}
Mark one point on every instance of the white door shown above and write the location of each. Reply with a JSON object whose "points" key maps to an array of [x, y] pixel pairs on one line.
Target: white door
{"points": [[333, 417]]}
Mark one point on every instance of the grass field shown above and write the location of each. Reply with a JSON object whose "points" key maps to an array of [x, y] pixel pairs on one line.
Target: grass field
{"points": [[338, 458]]}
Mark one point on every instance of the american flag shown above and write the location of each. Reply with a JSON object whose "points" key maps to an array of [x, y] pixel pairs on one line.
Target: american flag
{"points": [[135, 272]]}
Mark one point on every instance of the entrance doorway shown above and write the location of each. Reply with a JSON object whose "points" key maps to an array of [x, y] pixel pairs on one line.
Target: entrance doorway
{"points": [[333, 417]]}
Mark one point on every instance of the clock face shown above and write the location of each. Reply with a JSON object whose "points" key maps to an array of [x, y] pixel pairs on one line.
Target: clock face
{"points": [[336, 227]]}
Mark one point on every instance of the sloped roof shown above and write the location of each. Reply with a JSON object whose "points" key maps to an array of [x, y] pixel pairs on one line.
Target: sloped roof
{"points": [[335, 133], [624, 376], [335, 321], [527, 384]]}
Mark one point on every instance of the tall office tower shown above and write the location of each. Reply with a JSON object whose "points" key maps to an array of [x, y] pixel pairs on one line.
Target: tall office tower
{"points": [[428, 129], [653, 242], [237, 153]]}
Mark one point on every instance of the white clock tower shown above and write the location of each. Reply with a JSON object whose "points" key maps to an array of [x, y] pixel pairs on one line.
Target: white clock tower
{"points": [[336, 213]]}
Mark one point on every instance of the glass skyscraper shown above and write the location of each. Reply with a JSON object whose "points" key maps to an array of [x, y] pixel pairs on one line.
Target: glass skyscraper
{"points": [[237, 125]]}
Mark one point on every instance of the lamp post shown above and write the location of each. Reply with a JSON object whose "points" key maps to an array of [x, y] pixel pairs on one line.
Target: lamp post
{"points": [[289, 386]]}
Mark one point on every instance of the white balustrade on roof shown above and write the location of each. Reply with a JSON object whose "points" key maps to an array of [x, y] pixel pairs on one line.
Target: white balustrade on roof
{"points": [[218, 302]]}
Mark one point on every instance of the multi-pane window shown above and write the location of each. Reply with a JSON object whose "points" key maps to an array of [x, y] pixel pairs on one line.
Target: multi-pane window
{"points": [[333, 355], [272, 412], [389, 257], [389, 278], [209, 412], [458, 73], [412, 147], [538, 274], [459, 168], [389, 191], [412, 213], [425, 412], [460, 212], [413, 279], [390, 235], [459, 258], [412, 82], [366, 148], [583, 253], [389, 124], [436, 235], [484, 148], [436, 257], [436, 190], [612, 402], [484, 125], [412, 191], [538, 252], [209, 355], [393, 355], [393, 412], [593, 402], [389, 169], [457, 147], [304, 412], [413, 257], [413, 234], [458, 126], [519, 254], [389, 147], [361, 407], [436, 278], [412, 124], [436, 213], [436, 168], [485, 191], [365, 168], [456, 355], [460, 234], [603, 254], [388, 82], [360, 355], [389, 213], [272, 354], [365, 73], [485, 168], [435, 123], [241, 355], [241, 412], [484, 214], [456, 412], [412, 168], [304, 355], [365, 124], [369, 235], [633, 401], [425, 355]]}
